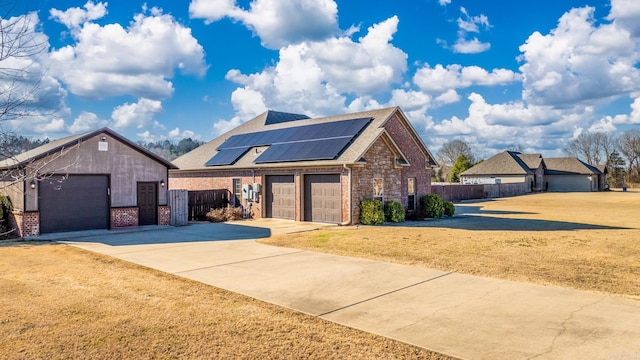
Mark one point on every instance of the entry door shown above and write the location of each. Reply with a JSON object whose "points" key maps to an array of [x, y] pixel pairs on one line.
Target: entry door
{"points": [[147, 203]]}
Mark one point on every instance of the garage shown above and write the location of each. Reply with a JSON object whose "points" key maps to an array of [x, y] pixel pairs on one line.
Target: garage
{"points": [[281, 197], [322, 198], [565, 183], [73, 202]]}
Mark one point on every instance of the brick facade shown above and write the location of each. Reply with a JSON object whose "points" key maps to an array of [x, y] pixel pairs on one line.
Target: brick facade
{"points": [[125, 216], [419, 169], [382, 161], [164, 215], [25, 223]]}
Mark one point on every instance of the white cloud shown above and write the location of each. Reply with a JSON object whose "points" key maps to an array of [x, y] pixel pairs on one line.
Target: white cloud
{"points": [[138, 114], [580, 61], [75, 16], [277, 23], [33, 101], [626, 13], [86, 121], [472, 46], [111, 60], [56, 125], [449, 97], [444, 2], [440, 79], [176, 134], [312, 77], [469, 24]]}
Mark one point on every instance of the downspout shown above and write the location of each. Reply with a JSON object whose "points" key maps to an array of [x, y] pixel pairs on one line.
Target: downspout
{"points": [[348, 222]]}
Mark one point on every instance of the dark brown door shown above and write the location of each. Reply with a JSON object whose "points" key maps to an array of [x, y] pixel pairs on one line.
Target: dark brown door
{"points": [[322, 198], [281, 197], [147, 203], [73, 202]]}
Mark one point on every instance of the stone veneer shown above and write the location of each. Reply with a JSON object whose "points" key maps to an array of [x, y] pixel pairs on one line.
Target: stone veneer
{"points": [[164, 215], [25, 223], [124, 216]]}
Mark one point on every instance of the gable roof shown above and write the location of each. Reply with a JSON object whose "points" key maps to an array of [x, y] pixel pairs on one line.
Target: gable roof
{"points": [[533, 161], [62, 143], [569, 166], [504, 163], [248, 142]]}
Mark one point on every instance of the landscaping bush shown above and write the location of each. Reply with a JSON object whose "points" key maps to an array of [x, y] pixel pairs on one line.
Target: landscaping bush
{"points": [[224, 214], [432, 205], [5, 207], [393, 211], [449, 208], [371, 212]]}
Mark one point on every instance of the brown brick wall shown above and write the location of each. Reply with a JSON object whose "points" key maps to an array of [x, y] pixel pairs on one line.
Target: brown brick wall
{"points": [[122, 217], [380, 164], [164, 215], [408, 144], [25, 223]]}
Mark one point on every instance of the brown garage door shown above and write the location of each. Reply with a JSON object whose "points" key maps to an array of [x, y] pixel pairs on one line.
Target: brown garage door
{"points": [[322, 198], [281, 197], [79, 202]]}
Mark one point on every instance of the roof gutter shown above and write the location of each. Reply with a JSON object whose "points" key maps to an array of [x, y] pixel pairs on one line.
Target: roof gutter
{"points": [[349, 219]]}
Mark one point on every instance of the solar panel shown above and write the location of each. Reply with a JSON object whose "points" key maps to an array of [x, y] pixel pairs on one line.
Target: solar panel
{"points": [[308, 142], [325, 149], [226, 156], [276, 117]]}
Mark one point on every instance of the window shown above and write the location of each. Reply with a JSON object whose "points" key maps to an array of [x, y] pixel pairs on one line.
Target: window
{"points": [[237, 193], [378, 189], [411, 194]]}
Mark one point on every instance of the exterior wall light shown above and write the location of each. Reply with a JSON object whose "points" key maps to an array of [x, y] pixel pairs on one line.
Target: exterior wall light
{"points": [[32, 184], [161, 183]]}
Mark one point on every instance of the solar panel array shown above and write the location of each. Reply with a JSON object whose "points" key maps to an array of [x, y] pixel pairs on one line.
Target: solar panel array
{"points": [[324, 141], [276, 117]]}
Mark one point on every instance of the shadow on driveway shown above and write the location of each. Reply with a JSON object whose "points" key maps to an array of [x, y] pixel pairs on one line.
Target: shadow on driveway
{"points": [[144, 235]]}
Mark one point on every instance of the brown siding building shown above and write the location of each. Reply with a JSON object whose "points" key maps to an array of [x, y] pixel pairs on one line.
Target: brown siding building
{"points": [[95, 180]]}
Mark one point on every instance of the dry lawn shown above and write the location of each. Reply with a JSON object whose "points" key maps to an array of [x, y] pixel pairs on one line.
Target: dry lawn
{"points": [[588, 241], [60, 302]]}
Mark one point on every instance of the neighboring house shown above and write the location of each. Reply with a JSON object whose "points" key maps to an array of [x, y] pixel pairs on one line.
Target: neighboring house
{"points": [[505, 167], [95, 180], [571, 174], [288, 166], [550, 174]]}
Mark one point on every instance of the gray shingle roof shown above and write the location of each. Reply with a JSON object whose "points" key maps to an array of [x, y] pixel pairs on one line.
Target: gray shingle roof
{"points": [[196, 159], [59, 144], [504, 163], [533, 161], [569, 166]]}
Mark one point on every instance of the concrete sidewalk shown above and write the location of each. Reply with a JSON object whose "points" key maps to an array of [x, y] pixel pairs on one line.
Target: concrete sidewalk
{"points": [[460, 315]]}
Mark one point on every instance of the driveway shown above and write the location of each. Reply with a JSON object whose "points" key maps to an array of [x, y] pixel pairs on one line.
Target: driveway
{"points": [[460, 315]]}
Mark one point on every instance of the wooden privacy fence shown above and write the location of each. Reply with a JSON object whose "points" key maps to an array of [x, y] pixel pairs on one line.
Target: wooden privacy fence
{"points": [[201, 201], [179, 204], [459, 192]]}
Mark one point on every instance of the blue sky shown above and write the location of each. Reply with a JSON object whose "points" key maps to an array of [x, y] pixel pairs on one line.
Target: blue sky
{"points": [[495, 73]]}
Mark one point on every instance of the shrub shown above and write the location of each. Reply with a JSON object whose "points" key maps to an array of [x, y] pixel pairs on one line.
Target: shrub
{"points": [[393, 211], [449, 208], [371, 212], [224, 214], [5, 207], [432, 205]]}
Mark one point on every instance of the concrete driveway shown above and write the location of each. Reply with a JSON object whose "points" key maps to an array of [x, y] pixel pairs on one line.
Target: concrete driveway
{"points": [[460, 315]]}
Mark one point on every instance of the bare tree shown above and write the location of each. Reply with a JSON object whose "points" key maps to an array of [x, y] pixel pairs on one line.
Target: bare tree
{"points": [[593, 148], [451, 151], [20, 76], [629, 146]]}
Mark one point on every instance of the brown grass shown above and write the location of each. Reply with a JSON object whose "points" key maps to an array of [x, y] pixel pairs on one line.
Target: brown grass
{"points": [[588, 241], [60, 302]]}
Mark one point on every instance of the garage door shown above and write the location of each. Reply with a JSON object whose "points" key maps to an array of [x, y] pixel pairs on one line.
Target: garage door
{"points": [[281, 197], [322, 198], [566, 183], [79, 202]]}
